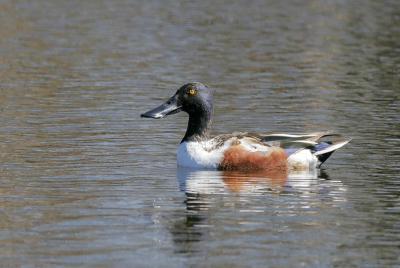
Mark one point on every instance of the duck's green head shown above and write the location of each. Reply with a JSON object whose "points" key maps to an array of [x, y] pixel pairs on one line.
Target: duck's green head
{"points": [[194, 98]]}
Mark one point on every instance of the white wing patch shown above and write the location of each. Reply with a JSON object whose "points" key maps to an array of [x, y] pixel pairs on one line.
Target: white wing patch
{"points": [[253, 146]]}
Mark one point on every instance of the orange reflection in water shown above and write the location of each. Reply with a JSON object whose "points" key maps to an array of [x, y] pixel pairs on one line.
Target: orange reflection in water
{"points": [[237, 181]]}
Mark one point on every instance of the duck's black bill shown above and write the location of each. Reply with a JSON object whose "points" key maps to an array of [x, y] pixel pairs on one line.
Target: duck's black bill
{"points": [[167, 108]]}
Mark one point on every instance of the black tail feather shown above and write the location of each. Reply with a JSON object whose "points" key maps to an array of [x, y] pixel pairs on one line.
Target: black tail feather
{"points": [[323, 157]]}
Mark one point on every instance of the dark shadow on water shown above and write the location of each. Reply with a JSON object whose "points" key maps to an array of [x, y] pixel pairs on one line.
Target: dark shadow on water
{"points": [[323, 174]]}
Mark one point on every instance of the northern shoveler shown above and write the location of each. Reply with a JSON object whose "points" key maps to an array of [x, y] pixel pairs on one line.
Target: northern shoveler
{"points": [[240, 151]]}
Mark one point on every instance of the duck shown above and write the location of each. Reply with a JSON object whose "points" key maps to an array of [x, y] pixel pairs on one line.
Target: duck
{"points": [[240, 151]]}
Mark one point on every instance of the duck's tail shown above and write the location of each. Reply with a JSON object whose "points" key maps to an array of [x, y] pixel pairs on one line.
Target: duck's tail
{"points": [[324, 149], [320, 144]]}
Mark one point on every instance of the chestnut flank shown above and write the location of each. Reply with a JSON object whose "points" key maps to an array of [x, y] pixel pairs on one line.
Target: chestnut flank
{"points": [[238, 158]]}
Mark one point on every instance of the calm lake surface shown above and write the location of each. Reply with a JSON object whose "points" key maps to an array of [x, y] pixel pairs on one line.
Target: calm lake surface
{"points": [[84, 181]]}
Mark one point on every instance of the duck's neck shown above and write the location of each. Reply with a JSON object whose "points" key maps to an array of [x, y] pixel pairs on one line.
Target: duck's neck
{"points": [[198, 126]]}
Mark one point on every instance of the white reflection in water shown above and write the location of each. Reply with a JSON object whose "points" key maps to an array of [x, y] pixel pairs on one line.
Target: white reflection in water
{"points": [[305, 183]]}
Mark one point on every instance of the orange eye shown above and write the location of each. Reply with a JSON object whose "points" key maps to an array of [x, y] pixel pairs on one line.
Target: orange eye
{"points": [[192, 92]]}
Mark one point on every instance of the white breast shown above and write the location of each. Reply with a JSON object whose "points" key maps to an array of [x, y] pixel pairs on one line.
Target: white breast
{"points": [[197, 155]]}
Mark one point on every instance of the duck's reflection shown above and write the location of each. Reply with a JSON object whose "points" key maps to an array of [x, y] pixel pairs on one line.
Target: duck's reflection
{"points": [[213, 195], [219, 182]]}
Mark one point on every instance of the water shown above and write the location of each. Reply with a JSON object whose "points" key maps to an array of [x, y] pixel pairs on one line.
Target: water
{"points": [[86, 181]]}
